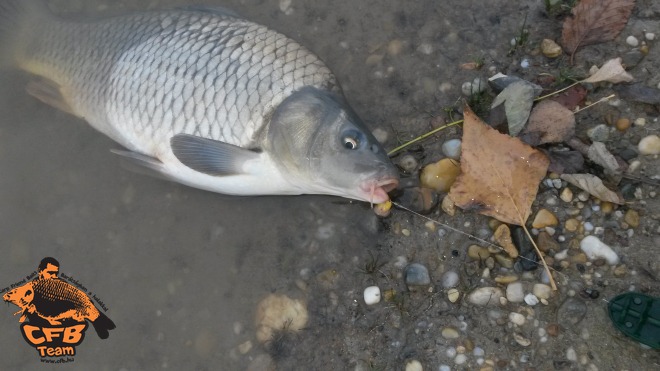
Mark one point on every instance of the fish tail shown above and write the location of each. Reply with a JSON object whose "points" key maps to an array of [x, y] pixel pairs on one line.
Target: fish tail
{"points": [[103, 325], [19, 20]]}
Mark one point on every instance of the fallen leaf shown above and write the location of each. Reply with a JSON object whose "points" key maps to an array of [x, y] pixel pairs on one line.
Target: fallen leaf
{"points": [[549, 122], [500, 175], [599, 154], [564, 162], [500, 81], [594, 186], [595, 21], [572, 97], [612, 71], [518, 99]]}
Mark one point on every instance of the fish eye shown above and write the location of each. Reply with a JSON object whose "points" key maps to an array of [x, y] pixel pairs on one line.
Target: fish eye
{"points": [[351, 139], [350, 142]]}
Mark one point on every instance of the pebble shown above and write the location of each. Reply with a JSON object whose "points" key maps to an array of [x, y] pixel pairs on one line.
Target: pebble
{"points": [[546, 243], [632, 41], [595, 249], [566, 195], [515, 292], [440, 175], [506, 278], [452, 148], [502, 236], [460, 359], [623, 124], [571, 355], [486, 296], [504, 261], [408, 163], [450, 333], [544, 218], [414, 365], [525, 63], [476, 86], [632, 218], [650, 36], [542, 291], [649, 145], [453, 295], [417, 275], [550, 49], [522, 340], [599, 133], [449, 279], [571, 225], [477, 252], [531, 299], [516, 318], [372, 295], [275, 312], [448, 206], [444, 368]]}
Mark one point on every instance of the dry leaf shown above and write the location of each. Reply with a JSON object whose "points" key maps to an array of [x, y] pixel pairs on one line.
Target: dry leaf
{"points": [[550, 122], [500, 175], [518, 99], [594, 186], [572, 97], [599, 154], [595, 21], [564, 162], [612, 71]]}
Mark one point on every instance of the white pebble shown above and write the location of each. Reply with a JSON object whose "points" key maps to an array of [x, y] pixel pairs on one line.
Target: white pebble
{"points": [[525, 63], [516, 318], [515, 292], [451, 352], [531, 299], [444, 368], [649, 145], [285, 7], [588, 226], [650, 36], [486, 296], [595, 249], [561, 255], [542, 291], [632, 41], [452, 148], [460, 359], [449, 279], [640, 121], [449, 333], [372, 295], [414, 365], [478, 352], [571, 355]]}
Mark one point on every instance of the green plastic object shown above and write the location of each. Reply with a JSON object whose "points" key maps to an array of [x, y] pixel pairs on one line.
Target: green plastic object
{"points": [[638, 316]]}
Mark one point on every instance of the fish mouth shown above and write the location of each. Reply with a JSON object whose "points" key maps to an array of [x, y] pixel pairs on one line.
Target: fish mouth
{"points": [[375, 191]]}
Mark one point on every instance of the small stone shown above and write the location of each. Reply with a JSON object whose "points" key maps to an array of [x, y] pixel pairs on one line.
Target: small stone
{"points": [[595, 249], [421, 200], [599, 133], [372, 295], [245, 347], [503, 237], [649, 145], [566, 195], [450, 333], [452, 148], [571, 355], [440, 175], [515, 292], [506, 278], [448, 206], [460, 359], [417, 275], [531, 299], [632, 41], [620, 270], [516, 318], [453, 295], [486, 296], [623, 124], [572, 225], [542, 291], [606, 207], [408, 163], [414, 365], [276, 312], [521, 340], [394, 47], [504, 261], [546, 243], [552, 329], [550, 48], [650, 36], [449, 279], [477, 252], [544, 218], [632, 218]]}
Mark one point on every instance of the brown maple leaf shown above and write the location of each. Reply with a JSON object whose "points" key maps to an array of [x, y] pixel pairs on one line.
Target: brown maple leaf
{"points": [[595, 21], [497, 171]]}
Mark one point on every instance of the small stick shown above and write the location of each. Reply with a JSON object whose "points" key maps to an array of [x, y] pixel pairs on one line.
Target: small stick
{"points": [[423, 136]]}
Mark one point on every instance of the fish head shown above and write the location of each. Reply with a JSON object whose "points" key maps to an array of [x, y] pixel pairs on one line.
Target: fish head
{"points": [[21, 296], [322, 147]]}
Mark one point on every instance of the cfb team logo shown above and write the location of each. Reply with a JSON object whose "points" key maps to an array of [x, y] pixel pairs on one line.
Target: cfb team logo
{"points": [[54, 312]]}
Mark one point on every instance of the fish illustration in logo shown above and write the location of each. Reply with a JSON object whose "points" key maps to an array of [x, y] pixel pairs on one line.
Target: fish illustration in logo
{"points": [[202, 97], [55, 301]]}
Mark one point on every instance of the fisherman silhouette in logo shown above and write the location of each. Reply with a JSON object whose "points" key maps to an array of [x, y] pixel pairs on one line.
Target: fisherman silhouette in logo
{"points": [[49, 301]]}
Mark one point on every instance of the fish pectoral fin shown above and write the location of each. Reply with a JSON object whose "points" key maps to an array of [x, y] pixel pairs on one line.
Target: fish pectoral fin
{"points": [[210, 156], [49, 92], [142, 164]]}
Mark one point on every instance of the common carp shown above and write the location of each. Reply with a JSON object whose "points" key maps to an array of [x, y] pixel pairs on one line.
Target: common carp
{"points": [[203, 97], [55, 300]]}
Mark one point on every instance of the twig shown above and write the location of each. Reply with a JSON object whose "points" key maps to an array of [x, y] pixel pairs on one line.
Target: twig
{"points": [[423, 136], [595, 103], [557, 92]]}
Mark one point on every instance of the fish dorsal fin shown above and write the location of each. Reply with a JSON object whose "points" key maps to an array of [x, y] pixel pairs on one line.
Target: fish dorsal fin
{"points": [[210, 156], [219, 10]]}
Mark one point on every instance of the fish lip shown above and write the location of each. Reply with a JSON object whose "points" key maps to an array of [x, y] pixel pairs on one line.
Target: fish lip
{"points": [[375, 191]]}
